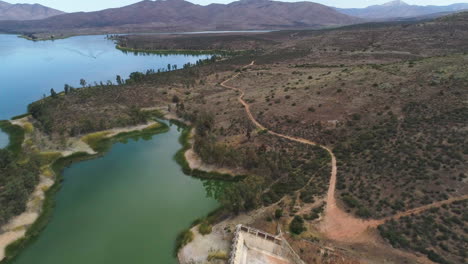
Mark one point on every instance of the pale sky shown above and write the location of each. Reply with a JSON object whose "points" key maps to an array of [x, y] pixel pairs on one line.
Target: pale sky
{"points": [[93, 5]]}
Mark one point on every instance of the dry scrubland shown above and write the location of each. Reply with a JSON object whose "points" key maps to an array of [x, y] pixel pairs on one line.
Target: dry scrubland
{"points": [[389, 99]]}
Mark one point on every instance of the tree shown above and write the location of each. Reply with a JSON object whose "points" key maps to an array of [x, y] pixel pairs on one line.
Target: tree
{"points": [[278, 213], [169, 67], [136, 76], [297, 225], [83, 82], [53, 93], [119, 80], [66, 88]]}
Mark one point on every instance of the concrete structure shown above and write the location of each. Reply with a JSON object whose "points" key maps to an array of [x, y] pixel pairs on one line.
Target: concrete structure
{"points": [[252, 246]]}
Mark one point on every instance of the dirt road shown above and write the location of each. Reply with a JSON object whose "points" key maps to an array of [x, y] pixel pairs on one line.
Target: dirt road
{"points": [[337, 224]]}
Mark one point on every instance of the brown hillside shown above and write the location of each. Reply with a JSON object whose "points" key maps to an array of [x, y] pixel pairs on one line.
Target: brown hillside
{"points": [[179, 15]]}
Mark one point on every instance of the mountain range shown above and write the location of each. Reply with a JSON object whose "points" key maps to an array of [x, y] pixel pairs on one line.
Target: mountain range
{"points": [[180, 15], [400, 9], [26, 11]]}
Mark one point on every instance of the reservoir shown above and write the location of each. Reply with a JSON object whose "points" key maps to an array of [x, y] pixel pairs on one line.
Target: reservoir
{"points": [[125, 207]]}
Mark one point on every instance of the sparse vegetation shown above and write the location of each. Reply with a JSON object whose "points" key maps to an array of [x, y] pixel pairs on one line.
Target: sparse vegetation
{"points": [[446, 241]]}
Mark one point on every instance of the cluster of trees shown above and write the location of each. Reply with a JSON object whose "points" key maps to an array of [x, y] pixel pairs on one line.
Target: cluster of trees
{"points": [[266, 165], [134, 77], [17, 181], [90, 105], [297, 225], [200, 62]]}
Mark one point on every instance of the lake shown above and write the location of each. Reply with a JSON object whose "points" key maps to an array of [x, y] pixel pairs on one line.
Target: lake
{"points": [[125, 207], [28, 70]]}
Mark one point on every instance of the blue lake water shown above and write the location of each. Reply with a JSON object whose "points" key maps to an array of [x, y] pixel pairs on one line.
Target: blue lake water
{"points": [[3, 139], [28, 69]]}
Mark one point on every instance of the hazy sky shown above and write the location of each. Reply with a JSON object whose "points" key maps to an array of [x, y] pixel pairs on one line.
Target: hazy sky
{"points": [[92, 5]]}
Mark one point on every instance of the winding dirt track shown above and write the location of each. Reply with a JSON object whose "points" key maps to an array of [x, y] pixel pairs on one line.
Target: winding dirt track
{"points": [[337, 224]]}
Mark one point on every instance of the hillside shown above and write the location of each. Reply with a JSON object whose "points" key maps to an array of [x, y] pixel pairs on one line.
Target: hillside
{"points": [[179, 15], [26, 11], [400, 9]]}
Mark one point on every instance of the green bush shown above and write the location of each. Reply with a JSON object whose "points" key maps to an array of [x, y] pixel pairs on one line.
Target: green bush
{"points": [[297, 225], [278, 213], [205, 228]]}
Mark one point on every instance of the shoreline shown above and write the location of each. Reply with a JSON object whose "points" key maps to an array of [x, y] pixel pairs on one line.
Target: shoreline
{"points": [[179, 51], [70, 35], [24, 228], [196, 163], [42, 39]]}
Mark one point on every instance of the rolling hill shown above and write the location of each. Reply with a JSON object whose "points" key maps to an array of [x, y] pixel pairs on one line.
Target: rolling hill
{"points": [[26, 11]]}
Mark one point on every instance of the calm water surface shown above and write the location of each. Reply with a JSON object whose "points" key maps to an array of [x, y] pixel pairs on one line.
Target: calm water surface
{"points": [[3, 139], [126, 207], [28, 69]]}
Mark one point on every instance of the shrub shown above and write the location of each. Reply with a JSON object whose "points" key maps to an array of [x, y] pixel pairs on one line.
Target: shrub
{"points": [[278, 213], [363, 212], [356, 117], [297, 225], [217, 255], [205, 228]]}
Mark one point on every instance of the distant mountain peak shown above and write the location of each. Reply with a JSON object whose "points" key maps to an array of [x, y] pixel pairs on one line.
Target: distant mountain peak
{"points": [[26, 11], [396, 3], [397, 9]]}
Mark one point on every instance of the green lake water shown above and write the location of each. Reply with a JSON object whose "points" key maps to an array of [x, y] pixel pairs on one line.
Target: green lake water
{"points": [[126, 207]]}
